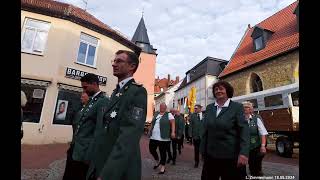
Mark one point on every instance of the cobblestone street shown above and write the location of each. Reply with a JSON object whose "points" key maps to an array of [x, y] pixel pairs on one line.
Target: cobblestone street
{"points": [[47, 162]]}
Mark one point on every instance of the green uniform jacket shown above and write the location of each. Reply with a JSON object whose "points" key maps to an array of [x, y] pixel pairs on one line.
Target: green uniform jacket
{"points": [[227, 135], [179, 124], [84, 127], [196, 126], [120, 125]]}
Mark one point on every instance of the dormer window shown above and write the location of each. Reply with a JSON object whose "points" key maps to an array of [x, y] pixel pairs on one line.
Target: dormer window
{"points": [[258, 43], [260, 37]]}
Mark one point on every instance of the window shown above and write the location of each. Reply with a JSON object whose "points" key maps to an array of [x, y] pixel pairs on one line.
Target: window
{"points": [[274, 100], [295, 98], [35, 96], [258, 42], [34, 36], [254, 103], [188, 77], [68, 104], [87, 50], [256, 83]]}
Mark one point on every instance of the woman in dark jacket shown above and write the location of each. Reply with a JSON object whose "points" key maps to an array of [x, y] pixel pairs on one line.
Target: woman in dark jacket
{"points": [[225, 139]]}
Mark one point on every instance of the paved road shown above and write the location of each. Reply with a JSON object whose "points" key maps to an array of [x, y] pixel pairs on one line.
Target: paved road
{"points": [[47, 162]]}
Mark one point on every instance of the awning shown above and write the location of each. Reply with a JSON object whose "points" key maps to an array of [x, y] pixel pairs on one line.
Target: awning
{"points": [[35, 82], [70, 87]]}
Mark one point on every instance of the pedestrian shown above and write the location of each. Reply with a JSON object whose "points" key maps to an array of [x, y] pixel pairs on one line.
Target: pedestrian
{"points": [[169, 153], [23, 104], [196, 128], [225, 139], [179, 122], [186, 130], [160, 133], [258, 140], [84, 124], [120, 125]]}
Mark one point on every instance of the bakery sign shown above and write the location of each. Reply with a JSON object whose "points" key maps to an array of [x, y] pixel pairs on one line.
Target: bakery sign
{"points": [[77, 74]]}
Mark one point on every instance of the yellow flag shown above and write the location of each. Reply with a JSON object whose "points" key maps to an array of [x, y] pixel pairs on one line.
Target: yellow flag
{"points": [[193, 99]]}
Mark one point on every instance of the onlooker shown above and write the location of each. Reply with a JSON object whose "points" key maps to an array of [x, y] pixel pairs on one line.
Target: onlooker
{"points": [[23, 104]]}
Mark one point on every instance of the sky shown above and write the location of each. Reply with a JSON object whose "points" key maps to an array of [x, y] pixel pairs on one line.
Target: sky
{"points": [[184, 32]]}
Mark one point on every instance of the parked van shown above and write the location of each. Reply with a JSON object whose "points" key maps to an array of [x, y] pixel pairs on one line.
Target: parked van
{"points": [[279, 109]]}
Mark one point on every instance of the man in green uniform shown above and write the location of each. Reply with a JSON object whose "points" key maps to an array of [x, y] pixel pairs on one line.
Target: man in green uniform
{"points": [[196, 129], [179, 126], [120, 125], [84, 123]]}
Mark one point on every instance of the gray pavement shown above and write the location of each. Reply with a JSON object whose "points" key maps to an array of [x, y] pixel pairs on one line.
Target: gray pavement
{"points": [[181, 171]]}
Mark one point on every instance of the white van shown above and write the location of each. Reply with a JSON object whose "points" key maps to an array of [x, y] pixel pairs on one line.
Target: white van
{"points": [[279, 109]]}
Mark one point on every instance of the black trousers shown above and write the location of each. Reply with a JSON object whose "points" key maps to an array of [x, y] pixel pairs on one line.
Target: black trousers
{"points": [[169, 151], [174, 143], [225, 168], [180, 143], [196, 144], [255, 161], [163, 147], [74, 169]]}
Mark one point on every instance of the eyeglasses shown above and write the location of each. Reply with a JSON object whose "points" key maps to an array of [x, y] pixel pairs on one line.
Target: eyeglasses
{"points": [[117, 61]]}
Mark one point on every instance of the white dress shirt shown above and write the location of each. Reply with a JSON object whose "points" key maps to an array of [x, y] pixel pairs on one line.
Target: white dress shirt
{"points": [[156, 134], [96, 94], [226, 104], [124, 82]]}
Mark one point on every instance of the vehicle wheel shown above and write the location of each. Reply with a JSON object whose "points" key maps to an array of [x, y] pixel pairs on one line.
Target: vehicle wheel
{"points": [[284, 147]]}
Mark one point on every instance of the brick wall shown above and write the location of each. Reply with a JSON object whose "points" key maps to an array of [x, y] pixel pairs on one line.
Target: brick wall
{"points": [[282, 70]]}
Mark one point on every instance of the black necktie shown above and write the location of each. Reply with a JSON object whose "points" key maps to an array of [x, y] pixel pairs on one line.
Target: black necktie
{"points": [[199, 116], [117, 88]]}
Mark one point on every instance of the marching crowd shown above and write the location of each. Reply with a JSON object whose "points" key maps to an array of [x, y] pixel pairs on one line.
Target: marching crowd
{"points": [[106, 131]]}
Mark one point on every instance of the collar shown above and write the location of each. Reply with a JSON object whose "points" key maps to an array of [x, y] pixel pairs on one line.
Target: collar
{"points": [[95, 94], [123, 82], [226, 104]]}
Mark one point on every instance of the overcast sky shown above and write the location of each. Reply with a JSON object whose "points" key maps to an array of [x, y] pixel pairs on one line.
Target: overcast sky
{"points": [[184, 32]]}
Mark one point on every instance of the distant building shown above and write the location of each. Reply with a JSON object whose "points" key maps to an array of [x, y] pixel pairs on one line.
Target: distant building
{"points": [[161, 85], [268, 54], [167, 97], [202, 77]]}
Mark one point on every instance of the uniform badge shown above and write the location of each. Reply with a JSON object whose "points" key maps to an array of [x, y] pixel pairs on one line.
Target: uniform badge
{"points": [[253, 140], [137, 113], [113, 114]]}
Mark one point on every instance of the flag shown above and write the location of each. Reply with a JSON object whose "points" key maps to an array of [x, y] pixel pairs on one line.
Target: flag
{"points": [[193, 99], [186, 108]]}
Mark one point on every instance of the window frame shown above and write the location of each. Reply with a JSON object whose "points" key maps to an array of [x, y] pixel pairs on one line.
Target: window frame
{"points": [[266, 105], [43, 102], [25, 26], [262, 43], [86, 55]]}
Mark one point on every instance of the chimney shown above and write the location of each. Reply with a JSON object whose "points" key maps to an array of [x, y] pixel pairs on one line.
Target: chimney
{"points": [[168, 79], [249, 26], [177, 79]]}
